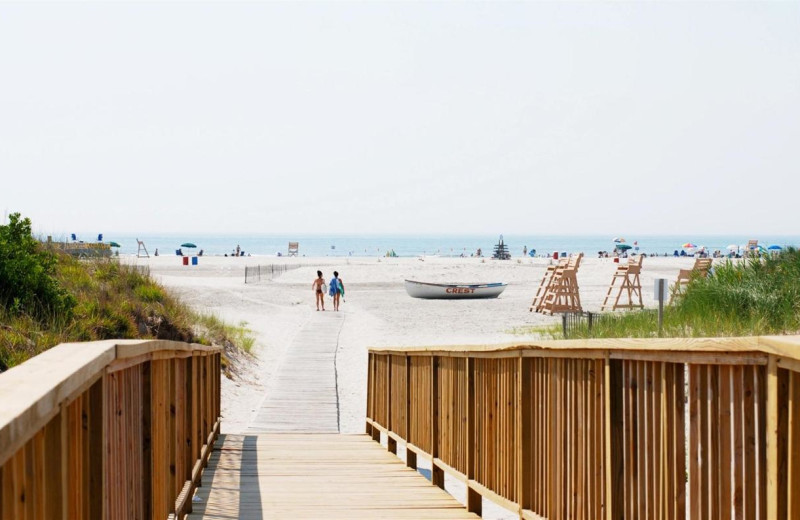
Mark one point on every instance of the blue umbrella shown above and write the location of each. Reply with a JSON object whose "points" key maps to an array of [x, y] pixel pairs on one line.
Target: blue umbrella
{"points": [[774, 247]]}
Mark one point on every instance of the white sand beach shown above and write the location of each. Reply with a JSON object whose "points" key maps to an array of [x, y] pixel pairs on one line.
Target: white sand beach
{"points": [[377, 310]]}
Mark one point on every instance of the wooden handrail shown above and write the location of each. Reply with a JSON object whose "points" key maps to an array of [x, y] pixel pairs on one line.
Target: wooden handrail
{"points": [[601, 428], [107, 429]]}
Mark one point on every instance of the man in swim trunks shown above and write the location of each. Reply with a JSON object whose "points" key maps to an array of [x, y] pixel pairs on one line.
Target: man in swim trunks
{"points": [[319, 291]]}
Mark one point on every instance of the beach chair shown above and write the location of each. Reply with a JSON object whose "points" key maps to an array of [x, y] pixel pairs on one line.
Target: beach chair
{"points": [[544, 285], [699, 270], [294, 248], [563, 294], [629, 283]]}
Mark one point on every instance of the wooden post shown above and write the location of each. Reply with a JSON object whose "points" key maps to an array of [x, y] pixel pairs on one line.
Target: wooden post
{"points": [[411, 457], [437, 474], [96, 448], [147, 442], [376, 433], [391, 444], [64, 460], [53, 455], [474, 499], [370, 392], [523, 435], [615, 494], [772, 437]]}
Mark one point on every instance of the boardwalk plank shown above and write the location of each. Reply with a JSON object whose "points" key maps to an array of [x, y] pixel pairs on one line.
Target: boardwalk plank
{"points": [[315, 476]]}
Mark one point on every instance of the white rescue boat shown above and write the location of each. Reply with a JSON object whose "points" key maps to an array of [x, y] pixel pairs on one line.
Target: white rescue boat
{"points": [[441, 291]]}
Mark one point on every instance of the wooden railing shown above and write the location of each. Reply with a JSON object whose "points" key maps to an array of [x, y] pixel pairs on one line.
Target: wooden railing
{"points": [[602, 429], [108, 429]]}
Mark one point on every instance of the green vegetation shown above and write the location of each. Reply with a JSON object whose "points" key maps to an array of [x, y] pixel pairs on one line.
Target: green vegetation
{"points": [[27, 284], [47, 298], [754, 297]]}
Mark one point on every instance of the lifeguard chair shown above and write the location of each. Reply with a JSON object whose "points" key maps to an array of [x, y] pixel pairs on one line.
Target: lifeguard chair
{"points": [[563, 294], [142, 251], [544, 285], [699, 270], [628, 276], [294, 249]]}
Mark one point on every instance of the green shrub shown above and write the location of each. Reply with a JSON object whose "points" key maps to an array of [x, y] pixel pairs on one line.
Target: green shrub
{"points": [[27, 283]]}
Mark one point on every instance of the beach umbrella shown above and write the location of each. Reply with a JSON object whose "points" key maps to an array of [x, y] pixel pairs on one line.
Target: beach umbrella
{"points": [[774, 247], [188, 244], [733, 247], [619, 240], [623, 247], [114, 244], [688, 245]]}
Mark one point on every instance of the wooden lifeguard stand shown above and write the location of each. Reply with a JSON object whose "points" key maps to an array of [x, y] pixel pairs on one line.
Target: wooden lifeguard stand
{"points": [[561, 293], [142, 249], [699, 270], [629, 283], [544, 285], [294, 249]]}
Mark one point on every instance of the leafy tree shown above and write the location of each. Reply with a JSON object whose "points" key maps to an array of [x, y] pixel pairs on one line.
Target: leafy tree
{"points": [[27, 283]]}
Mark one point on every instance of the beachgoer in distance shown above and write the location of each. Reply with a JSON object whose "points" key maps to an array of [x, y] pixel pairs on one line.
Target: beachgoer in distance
{"points": [[319, 290], [336, 290], [156, 251]]}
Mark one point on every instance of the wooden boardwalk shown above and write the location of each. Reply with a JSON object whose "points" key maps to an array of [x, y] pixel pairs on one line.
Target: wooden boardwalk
{"points": [[315, 476], [303, 398], [293, 463]]}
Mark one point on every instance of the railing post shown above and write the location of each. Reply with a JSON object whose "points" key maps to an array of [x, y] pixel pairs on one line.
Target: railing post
{"points": [[411, 457], [523, 435], [474, 499], [391, 444], [772, 437], [97, 492], [147, 441], [370, 393], [614, 498], [376, 433], [437, 474]]}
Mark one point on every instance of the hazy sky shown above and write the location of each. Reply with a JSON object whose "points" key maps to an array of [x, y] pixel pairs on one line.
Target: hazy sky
{"points": [[402, 117]]}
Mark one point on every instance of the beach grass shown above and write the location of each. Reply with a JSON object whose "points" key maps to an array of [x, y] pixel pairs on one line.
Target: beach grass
{"points": [[112, 301], [758, 296]]}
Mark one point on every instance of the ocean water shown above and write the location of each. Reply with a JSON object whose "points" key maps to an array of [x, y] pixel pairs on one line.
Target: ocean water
{"points": [[410, 246]]}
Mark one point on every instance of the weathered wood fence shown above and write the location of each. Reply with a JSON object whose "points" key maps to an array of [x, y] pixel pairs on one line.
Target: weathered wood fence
{"points": [[108, 429], [602, 428]]}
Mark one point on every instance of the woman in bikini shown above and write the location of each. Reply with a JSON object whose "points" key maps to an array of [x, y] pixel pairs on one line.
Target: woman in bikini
{"points": [[319, 291]]}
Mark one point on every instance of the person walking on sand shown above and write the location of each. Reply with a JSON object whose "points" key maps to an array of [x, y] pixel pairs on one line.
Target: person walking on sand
{"points": [[336, 290], [319, 290]]}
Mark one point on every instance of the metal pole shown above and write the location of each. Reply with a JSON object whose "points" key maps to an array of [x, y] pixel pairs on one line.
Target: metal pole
{"points": [[660, 316]]}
